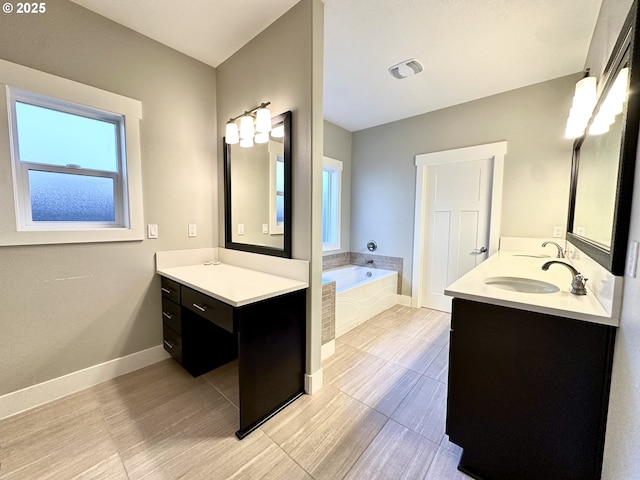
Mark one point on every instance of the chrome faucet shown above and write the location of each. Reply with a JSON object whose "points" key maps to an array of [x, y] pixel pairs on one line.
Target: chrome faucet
{"points": [[578, 285], [560, 252]]}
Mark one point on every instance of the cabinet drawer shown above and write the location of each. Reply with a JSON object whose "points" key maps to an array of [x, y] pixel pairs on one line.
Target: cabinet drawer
{"points": [[172, 343], [171, 315], [170, 289], [215, 311]]}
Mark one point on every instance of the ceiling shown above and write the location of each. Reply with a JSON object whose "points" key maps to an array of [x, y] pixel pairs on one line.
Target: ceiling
{"points": [[470, 49]]}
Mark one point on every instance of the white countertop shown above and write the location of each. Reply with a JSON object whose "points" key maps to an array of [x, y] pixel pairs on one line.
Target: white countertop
{"points": [[236, 286], [510, 264]]}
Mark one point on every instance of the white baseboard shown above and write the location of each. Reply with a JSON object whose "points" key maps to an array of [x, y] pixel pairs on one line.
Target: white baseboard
{"points": [[327, 350], [313, 382], [30, 397], [404, 300]]}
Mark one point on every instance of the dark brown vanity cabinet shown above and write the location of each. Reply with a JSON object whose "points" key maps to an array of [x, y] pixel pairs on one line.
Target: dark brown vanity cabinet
{"points": [[194, 341], [267, 337], [527, 393]]}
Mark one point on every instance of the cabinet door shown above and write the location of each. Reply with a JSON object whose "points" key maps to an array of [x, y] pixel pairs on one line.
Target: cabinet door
{"points": [[170, 289], [171, 315], [528, 392], [172, 343]]}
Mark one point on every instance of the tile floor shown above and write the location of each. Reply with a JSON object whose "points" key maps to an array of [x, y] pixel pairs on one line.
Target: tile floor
{"points": [[380, 415]]}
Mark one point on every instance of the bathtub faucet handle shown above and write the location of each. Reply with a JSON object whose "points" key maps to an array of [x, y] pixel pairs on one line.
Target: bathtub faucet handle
{"points": [[369, 262]]}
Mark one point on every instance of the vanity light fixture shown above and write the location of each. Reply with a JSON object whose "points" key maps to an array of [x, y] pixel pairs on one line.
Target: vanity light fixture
{"points": [[612, 105], [246, 133], [584, 101]]}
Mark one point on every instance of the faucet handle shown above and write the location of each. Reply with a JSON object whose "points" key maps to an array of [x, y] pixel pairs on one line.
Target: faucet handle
{"points": [[578, 286]]}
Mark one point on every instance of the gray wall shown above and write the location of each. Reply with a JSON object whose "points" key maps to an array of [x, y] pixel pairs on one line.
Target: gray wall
{"points": [[623, 426], [69, 307], [536, 172], [337, 145], [289, 80]]}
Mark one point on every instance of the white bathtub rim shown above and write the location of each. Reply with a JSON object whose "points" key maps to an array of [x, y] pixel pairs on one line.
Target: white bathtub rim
{"points": [[378, 273]]}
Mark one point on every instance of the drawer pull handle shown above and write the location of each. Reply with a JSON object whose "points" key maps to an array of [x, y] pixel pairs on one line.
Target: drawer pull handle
{"points": [[166, 290], [167, 315], [202, 308], [168, 344]]}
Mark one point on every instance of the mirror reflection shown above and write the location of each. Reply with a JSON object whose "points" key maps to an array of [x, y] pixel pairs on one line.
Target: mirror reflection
{"points": [[604, 162], [596, 185], [257, 192], [257, 196]]}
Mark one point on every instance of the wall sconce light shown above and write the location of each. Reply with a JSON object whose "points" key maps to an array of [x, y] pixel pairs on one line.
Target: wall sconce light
{"points": [[247, 133], [584, 101], [612, 105]]}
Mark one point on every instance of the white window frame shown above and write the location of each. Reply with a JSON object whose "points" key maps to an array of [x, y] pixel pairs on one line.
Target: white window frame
{"points": [[21, 169], [334, 167], [38, 88]]}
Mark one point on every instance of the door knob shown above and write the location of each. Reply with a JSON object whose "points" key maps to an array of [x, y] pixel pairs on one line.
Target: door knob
{"points": [[479, 250]]}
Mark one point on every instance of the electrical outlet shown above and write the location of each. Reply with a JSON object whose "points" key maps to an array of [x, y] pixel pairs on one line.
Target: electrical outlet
{"points": [[152, 230], [241, 229], [557, 231], [192, 230], [265, 228], [581, 231], [632, 259]]}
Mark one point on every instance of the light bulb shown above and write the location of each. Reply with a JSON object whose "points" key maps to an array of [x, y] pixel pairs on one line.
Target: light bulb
{"points": [[246, 142], [262, 137], [278, 132], [231, 133], [246, 127], [263, 120]]}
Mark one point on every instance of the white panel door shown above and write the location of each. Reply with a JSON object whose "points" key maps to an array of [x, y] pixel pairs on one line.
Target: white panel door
{"points": [[457, 220]]}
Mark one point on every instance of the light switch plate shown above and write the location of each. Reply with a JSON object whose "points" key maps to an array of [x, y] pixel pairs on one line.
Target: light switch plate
{"points": [[241, 229], [265, 228], [152, 230], [192, 230], [557, 231], [632, 259]]}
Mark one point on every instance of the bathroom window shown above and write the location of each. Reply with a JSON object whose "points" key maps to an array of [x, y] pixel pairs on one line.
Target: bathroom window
{"points": [[331, 186], [74, 161], [68, 164]]}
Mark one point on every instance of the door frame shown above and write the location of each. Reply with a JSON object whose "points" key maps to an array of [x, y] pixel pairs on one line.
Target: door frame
{"points": [[495, 151]]}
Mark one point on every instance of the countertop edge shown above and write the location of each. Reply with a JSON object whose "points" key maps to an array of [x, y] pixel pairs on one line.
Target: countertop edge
{"points": [[571, 314], [296, 285]]}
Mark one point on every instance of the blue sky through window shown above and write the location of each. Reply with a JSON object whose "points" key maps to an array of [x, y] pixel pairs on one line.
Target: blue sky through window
{"points": [[58, 138]]}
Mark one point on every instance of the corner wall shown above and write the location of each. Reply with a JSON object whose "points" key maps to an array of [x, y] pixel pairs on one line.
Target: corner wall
{"points": [[623, 423], [283, 65], [65, 308]]}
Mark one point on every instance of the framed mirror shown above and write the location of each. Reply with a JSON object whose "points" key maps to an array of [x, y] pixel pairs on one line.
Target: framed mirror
{"points": [[257, 193], [604, 160]]}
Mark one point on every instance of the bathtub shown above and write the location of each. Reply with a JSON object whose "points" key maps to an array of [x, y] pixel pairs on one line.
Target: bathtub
{"points": [[361, 293]]}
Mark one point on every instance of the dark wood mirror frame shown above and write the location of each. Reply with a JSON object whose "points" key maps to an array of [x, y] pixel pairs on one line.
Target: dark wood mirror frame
{"points": [[285, 120], [625, 51]]}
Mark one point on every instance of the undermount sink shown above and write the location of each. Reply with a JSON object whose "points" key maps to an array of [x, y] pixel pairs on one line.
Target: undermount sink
{"points": [[523, 285]]}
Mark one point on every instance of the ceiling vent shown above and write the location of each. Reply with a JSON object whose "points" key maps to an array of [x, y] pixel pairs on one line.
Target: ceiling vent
{"points": [[406, 69]]}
